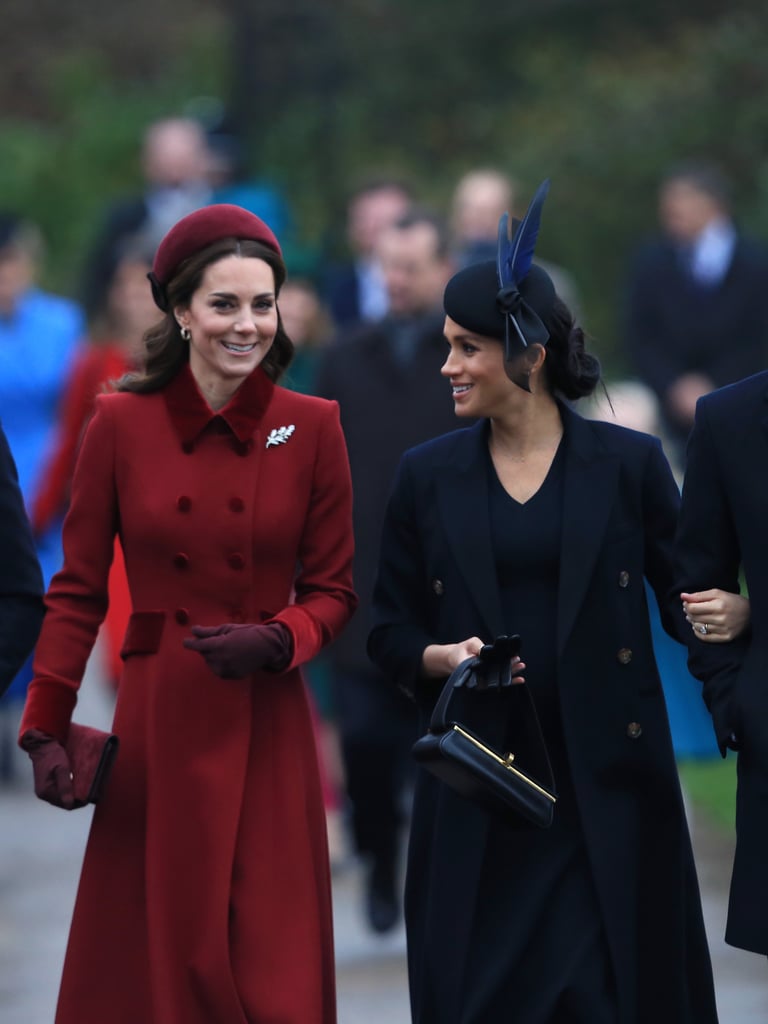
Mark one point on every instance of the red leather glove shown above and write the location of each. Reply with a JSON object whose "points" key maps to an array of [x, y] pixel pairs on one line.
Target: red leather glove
{"points": [[51, 769], [233, 651]]}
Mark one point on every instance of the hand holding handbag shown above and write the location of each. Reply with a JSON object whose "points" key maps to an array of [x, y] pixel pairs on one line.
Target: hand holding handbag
{"points": [[466, 763], [91, 754], [75, 774]]}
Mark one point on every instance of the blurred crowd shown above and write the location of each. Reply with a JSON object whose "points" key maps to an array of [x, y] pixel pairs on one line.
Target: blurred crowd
{"points": [[368, 333]]}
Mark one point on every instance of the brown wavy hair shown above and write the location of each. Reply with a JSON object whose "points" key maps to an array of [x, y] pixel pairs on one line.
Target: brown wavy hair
{"points": [[165, 351]]}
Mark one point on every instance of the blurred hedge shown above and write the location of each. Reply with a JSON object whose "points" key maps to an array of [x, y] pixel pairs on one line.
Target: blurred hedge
{"points": [[597, 96]]}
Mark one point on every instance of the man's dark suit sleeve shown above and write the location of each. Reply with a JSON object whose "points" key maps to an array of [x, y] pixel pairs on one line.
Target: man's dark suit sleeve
{"points": [[708, 555], [21, 582]]}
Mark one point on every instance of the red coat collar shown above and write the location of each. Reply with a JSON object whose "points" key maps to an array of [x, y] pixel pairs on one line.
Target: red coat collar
{"points": [[191, 414]]}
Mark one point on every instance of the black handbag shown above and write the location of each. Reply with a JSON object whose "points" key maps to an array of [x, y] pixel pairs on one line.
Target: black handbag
{"points": [[466, 763]]}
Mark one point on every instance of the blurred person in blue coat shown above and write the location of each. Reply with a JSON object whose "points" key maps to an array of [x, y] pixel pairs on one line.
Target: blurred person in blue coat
{"points": [[40, 334]]}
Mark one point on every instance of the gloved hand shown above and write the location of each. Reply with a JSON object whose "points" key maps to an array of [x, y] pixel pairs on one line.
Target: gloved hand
{"points": [[233, 651], [51, 768], [495, 664]]}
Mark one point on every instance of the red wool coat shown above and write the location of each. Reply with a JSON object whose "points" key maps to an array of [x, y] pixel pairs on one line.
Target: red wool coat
{"points": [[205, 895]]}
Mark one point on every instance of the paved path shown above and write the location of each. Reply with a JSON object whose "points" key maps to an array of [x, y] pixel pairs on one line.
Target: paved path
{"points": [[40, 853]]}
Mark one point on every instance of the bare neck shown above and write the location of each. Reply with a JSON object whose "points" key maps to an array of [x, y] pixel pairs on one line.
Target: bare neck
{"points": [[530, 427]]}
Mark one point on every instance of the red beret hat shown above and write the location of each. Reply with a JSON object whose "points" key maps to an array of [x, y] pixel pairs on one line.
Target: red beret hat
{"points": [[199, 229]]}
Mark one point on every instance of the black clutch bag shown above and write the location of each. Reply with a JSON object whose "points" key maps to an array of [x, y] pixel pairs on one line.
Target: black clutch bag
{"points": [[470, 766], [91, 755]]}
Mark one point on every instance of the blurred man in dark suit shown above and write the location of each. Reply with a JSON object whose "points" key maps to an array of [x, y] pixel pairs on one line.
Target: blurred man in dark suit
{"points": [[696, 317], [386, 378], [355, 291]]}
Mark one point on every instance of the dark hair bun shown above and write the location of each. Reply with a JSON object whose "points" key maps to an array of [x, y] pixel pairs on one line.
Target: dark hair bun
{"points": [[572, 371]]}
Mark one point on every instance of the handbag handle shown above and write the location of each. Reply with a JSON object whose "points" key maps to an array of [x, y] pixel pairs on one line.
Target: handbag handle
{"points": [[491, 656], [439, 723]]}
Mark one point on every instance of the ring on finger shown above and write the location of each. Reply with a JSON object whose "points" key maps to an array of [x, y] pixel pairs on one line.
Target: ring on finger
{"points": [[702, 628]]}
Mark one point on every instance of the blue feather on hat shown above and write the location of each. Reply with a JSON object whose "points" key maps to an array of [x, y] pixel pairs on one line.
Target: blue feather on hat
{"points": [[513, 263]]}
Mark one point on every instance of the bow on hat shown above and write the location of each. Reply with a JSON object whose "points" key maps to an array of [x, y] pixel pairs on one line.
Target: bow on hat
{"points": [[513, 264]]}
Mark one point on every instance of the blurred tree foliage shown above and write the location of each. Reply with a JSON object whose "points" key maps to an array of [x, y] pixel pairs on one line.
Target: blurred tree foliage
{"points": [[599, 95]]}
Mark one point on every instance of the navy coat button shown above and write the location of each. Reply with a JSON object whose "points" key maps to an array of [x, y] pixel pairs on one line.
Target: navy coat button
{"points": [[237, 504], [623, 579], [182, 616], [624, 655], [183, 503], [634, 730], [236, 561], [181, 561], [439, 587]]}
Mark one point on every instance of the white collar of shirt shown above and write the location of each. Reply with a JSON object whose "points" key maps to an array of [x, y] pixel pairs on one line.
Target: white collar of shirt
{"points": [[373, 299], [713, 252]]}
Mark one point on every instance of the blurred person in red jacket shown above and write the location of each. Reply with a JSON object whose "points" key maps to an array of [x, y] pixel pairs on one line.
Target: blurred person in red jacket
{"points": [[112, 349]]}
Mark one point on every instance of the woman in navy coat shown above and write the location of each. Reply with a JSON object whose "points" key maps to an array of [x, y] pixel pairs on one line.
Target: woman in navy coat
{"points": [[538, 522]]}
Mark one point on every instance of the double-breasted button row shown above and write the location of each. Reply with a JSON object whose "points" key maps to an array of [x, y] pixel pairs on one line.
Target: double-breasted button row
{"points": [[184, 503], [623, 579], [438, 587], [624, 655], [634, 730], [235, 561]]}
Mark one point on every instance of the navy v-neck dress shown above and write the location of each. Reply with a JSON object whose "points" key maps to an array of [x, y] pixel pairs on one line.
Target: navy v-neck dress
{"points": [[537, 893]]}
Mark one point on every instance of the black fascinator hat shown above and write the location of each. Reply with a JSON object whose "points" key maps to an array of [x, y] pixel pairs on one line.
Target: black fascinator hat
{"points": [[511, 299]]}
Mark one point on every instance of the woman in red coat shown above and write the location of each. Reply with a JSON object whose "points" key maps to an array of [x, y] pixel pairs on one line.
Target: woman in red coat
{"points": [[205, 895]]}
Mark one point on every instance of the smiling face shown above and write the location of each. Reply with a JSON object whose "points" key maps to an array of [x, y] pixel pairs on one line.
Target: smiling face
{"points": [[232, 320], [475, 369]]}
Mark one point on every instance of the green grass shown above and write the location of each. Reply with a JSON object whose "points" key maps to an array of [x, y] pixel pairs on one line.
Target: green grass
{"points": [[711, 786]]}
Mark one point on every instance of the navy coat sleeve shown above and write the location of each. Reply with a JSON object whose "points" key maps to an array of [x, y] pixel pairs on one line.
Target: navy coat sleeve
{"points": [[708, 555], [21, 582], [398, 638]]}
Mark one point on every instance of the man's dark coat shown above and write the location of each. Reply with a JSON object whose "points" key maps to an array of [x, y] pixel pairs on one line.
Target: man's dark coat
{"points": [[724, 529]]}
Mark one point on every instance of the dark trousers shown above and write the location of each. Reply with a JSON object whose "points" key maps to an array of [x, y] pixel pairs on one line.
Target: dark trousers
{"points": [[377, 726]]}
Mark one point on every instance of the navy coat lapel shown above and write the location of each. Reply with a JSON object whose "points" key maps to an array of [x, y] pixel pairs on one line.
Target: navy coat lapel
{"points": [[591, 481], [462, 490]]}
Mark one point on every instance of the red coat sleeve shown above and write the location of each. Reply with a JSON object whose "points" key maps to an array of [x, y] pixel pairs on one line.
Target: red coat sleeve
{"points": [[76, 601], [324, 598]]}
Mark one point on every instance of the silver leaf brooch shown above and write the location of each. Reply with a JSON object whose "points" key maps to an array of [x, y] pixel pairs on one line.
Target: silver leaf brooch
{"points": [[279, 435]]}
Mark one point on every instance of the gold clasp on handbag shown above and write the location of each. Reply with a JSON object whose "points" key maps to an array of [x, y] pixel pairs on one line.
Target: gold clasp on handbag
{"points": [[509, 760]]}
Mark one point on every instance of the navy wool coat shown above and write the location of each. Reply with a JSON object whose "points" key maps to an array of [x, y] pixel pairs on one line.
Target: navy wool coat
{"points": [[437, 584], [722, 532]]}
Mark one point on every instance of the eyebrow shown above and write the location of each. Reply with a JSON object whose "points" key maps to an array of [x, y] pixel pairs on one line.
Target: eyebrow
{"points": [[466, 336], [233, 295]]}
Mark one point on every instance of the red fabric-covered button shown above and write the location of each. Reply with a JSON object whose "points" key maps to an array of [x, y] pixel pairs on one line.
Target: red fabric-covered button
{"points": [[237, 504], [182, 616], [236, 561], [181, 561], [187, 447], [183, 503]]}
